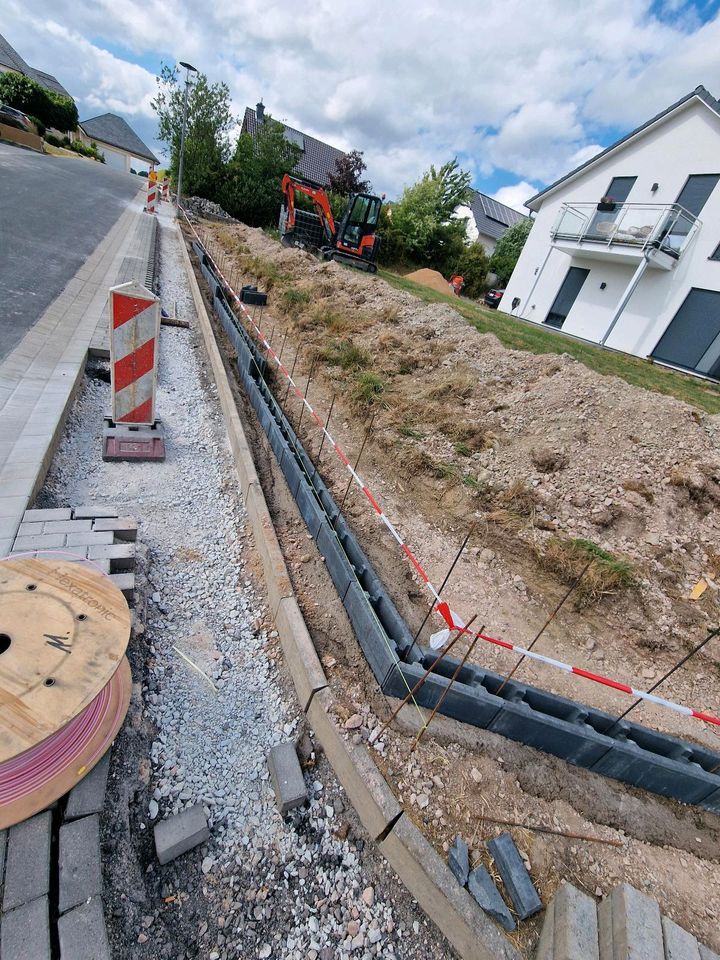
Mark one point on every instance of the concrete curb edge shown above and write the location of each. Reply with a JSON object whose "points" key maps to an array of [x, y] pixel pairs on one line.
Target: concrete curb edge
{"points": [[410, 855]]}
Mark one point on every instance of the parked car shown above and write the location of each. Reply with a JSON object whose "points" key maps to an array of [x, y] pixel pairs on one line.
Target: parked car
{"points": [[493, 297], [15, 118]]}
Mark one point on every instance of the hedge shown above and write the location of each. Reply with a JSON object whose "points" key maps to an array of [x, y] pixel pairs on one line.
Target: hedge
{"points": [[52, 109]]}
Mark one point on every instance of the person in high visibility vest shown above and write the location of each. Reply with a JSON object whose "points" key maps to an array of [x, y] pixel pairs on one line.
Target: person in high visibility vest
{"points": [[152, 176], [456, 284]]}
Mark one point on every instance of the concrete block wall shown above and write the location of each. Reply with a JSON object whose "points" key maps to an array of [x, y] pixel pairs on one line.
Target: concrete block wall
{"points": [[625, 925], [633, 754]]}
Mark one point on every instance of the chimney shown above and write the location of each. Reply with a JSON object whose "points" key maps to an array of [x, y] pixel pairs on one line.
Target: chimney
{"points": [[260, 111]]}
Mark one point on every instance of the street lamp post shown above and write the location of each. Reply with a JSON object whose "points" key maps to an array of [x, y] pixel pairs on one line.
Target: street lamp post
{"points": [[190, 69]]}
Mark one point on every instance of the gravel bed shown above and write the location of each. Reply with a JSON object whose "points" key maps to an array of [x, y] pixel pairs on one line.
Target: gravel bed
{"points": [[307, 887]]}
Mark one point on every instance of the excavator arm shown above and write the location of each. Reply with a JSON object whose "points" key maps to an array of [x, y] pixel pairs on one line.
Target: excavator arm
{"points": [[320, 203]]}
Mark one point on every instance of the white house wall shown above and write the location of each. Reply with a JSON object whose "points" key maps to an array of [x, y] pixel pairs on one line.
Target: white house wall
{"points": [[688, 143], [471, 230]]}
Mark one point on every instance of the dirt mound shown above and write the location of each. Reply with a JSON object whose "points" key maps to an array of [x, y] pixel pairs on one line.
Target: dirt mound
{"points": [[430, 278]]}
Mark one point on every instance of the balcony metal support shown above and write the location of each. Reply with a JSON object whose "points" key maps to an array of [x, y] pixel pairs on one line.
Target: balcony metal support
{"points": [[629, 290]]}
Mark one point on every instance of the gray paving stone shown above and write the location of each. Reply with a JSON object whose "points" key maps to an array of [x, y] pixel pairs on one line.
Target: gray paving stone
{"points": [[575, 925], [30, 529], [68, 526], [482, 886], [93, 511], [3, 847], [27, 867], [89, 795], [629, 926], [180, 833], [124, 528], [459, 860], [124, 582], [43, 542], [121, 556], [35, 516], [679, 944], [706, 953], [83, 934], [25, 932], [546, 944], [287, 777], [514, 874], [80, 867], [90, 539]]}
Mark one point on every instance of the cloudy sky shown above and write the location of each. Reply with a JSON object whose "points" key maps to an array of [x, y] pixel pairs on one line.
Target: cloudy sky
{"points": [[519, 90]]}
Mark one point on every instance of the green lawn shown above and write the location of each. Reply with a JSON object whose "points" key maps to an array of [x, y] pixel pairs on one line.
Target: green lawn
{"points": [[523, 335]]}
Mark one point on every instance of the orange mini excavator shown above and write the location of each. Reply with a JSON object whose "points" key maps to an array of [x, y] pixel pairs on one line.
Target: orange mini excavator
{"points": [[353, 240]]}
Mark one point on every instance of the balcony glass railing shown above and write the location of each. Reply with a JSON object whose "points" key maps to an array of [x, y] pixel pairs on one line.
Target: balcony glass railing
{"points": [[667, 227]]}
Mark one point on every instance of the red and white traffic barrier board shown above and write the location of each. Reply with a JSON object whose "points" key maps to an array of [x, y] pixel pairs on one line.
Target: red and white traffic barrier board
{"points": [[151, 197], [133, 432], [134, 337]]}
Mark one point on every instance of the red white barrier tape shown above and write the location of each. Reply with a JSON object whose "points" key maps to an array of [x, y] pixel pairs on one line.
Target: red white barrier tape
{"points": [[442, 608]]}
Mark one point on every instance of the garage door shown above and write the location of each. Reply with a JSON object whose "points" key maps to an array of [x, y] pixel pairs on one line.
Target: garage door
{"points": [[693, 338]]}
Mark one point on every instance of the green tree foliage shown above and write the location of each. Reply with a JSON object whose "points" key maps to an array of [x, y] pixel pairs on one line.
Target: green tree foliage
{"points": [[346, 178], [208, 123], [472, 265], [420, 228], [251, 188], [508, 250], [52, 109]]}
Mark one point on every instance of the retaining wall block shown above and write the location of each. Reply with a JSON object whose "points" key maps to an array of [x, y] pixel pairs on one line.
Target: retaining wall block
{"points": [[712, 802], [575, 925], [310, 509], [513, 871], [299, 652], [629, 926], [469, 704], [337, 563], [379, 651], [679, 944], [482, 886]]}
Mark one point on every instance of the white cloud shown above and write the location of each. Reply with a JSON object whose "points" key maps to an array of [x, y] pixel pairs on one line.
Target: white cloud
{"points": [[514, 195], [409, 83]]}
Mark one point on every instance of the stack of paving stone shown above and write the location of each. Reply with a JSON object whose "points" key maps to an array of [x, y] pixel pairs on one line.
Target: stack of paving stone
{"points": [[94, 533], [625, 925], [51, 877]]}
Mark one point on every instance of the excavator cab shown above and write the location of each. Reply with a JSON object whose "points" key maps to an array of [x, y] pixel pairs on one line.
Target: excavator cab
{"points": [[353, 240]]}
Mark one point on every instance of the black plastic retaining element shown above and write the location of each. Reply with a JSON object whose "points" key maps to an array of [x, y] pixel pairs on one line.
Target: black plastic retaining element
{"points": [[581, 735], [577, 733]]}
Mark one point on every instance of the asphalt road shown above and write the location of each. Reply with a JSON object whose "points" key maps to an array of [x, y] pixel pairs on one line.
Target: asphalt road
{"points": [[53, 213]]}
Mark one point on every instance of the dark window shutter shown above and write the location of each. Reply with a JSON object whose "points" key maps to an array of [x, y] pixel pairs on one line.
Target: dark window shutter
{"points": [[695, 193]]}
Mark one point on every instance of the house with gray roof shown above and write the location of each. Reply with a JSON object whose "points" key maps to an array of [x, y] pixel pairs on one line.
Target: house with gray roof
{"points": [[318, 159], [487, 219], [115, 138], [12, 62]]}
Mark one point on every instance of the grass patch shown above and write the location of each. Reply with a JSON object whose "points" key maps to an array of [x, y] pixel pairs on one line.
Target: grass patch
{"points": [[367, 392], [292, 298], [531, 337], [345, 354], [459, 387], [265, 270], [606, 575]]}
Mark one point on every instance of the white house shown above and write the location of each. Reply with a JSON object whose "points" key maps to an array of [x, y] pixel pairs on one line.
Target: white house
{"points": [[487, 219], [117, 141], [640, 272]]}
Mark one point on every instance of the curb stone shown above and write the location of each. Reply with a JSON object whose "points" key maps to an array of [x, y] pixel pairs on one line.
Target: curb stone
{"points": [[426, 877]]}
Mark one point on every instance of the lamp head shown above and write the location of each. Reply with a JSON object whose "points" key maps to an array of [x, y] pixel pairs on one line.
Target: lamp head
{"points": [[188, 66]]}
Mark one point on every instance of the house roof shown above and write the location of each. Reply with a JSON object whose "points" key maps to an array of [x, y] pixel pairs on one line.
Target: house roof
{"points": [[9, 57], [491, 217], [318, 159], [699, 92], [115, 132]]}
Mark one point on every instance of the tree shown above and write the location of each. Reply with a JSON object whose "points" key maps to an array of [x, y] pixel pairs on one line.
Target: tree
{"points": [[508, 250], [251, 188], [472, 265], [420, 227], [346, 178], [208, 123], [52, 109]]}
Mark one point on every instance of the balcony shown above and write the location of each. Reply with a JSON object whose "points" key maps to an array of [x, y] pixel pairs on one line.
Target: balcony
{"points": [[625, 232]]}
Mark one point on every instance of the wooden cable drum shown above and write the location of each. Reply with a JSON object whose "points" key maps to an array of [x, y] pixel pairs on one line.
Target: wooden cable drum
{"points": [[64, 629], [37, 777]]}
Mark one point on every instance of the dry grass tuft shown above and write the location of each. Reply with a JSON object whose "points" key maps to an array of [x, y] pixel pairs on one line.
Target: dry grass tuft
{"points": [[637, 486], [518, 498], [458, 387], [548, 461], [606, 575]]}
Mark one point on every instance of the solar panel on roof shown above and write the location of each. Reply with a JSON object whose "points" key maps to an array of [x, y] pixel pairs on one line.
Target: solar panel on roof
{"points": [[292, 136]]}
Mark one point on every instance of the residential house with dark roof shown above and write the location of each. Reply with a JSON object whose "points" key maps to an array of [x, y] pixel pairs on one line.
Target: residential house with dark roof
{"points": [[318, 159], [487, 219], [115, 138], [12, 62], [625, 249]]}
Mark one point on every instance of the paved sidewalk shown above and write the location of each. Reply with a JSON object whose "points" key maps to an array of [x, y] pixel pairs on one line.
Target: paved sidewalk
{"points": [[39, 378]]}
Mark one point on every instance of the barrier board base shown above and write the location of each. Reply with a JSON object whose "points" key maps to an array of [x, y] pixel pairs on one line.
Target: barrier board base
{"points": [[122, 441]]}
